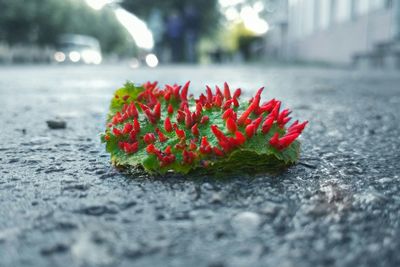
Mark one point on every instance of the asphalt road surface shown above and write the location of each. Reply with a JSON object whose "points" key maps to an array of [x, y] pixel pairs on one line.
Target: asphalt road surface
{"points": [[63, 204]]}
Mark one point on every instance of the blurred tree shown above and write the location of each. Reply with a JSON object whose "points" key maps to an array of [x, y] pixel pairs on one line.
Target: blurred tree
{"points": [[41, 21]]}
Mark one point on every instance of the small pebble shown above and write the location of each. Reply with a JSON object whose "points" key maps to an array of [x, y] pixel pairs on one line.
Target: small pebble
{"points": [[246, 222], [56, 124]]}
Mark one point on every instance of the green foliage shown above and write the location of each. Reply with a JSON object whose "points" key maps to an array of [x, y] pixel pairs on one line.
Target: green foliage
{"points": [[117, 102]]}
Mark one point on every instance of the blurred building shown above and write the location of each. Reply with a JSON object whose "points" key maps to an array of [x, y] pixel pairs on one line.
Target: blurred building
{"points": [[360, 32]]}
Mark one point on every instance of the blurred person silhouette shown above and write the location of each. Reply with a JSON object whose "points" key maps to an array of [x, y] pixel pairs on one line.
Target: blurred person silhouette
{"points": [[192, 25], [174, 33], [156, 25]]}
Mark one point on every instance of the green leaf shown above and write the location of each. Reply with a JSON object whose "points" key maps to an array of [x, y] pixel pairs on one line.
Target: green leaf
{"points": [[255, 155]]}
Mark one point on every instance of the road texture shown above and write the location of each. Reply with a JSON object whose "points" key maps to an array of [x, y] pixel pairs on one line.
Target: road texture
{"points": [[63, 204]]}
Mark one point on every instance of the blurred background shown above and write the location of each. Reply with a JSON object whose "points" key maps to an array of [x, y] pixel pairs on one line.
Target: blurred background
{"points": [[357, 33], [334, 63]]}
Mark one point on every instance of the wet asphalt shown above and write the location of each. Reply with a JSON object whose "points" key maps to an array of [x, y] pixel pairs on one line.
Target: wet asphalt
{"points": [[63, 204]]}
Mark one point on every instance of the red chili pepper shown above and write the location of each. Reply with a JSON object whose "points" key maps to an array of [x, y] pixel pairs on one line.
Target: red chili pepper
{"points": [[180, 146], [208, 106], [257, 123], [195, 117], [202, 99], [296, 122], [284, 121], [286, 140], [227, 114], [132, 110], [143, 106], [195, 130], [205, 147], [188, 157], [124, 107], [127, 128], [218, 92], [217, 132], [121, 145], [176, 89], [183, 105], [250, 130], [282, 116], [227, 104], [247, 122], [117, 118], [180, 133], [131, 148], [167, 95], [161, 136], [231, 125], [267, 107], [188, 118], [209, 94], [136, 125], [149, 138], [166, 160], [297, 128], [218, 101], [239, 138], [254, 104], [151, 149], [275, 112], [274, 141], [167, 150], [180, 116], [266, 126], [227, 144], [117, 132], [185, 91], [227, 91], [150, 116], [124, 117], [259, 92], [237, 93], [132, 136], [170, 109], [204, 120], [218, 152], [168, 125], [157, 111], [199, 108], [192, 145]]}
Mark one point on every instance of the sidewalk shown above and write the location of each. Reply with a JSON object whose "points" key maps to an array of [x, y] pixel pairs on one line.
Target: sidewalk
{"points": [[63, 204]]}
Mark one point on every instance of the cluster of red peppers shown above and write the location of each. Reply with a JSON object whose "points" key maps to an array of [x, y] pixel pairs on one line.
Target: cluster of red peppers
{"points": [[164, 129]]}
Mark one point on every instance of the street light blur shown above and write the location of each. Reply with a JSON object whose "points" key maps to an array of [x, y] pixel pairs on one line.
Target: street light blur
{"points": [[252, 21], [59, 57], [99, 4], [151, 60], [238, 11], [74, 56], [136, 28]]}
